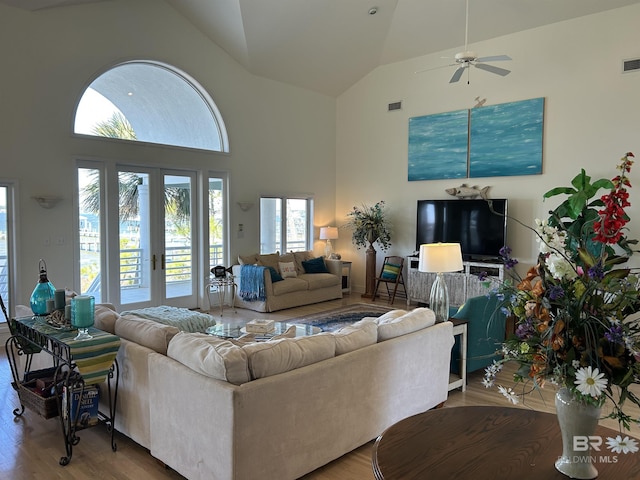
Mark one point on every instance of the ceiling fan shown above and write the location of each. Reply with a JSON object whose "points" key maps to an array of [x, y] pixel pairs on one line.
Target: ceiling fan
{"points": [[467, 58]]}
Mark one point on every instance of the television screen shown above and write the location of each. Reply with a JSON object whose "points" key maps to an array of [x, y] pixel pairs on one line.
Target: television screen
{"points": [[480, 232]]}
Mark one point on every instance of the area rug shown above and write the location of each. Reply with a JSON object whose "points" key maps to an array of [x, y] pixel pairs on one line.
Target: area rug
{"points": [[332, 320]]}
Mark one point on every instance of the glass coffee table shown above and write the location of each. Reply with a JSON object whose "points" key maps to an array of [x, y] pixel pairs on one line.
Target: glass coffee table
{"points": [[234, 330]]}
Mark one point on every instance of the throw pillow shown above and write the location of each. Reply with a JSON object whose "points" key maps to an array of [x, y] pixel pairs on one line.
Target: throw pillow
{"points": [[269, 260], [315, 265], [390, 271], [248, 259], [302, 257], [275, 276], [287, 269]]}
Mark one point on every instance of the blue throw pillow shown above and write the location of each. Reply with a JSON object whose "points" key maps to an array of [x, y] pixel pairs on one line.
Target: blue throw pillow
{"points": [[315, 265], [275, 276]]}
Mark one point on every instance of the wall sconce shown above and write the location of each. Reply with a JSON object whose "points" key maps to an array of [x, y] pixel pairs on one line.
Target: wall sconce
{"points": [[244, 206], [47, 201]]}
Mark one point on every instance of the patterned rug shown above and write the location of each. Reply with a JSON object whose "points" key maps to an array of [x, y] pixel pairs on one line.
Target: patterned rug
{"points": [[332, 320]]}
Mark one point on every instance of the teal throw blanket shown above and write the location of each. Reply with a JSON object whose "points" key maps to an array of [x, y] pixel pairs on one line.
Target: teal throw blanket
{"points": [[252, 283]]}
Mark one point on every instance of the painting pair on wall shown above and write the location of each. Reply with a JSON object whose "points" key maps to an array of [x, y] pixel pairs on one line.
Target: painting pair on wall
{"points": [[489, 141]]}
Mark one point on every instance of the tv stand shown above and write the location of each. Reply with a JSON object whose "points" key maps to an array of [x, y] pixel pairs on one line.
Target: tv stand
{"points": [[460, 285]]}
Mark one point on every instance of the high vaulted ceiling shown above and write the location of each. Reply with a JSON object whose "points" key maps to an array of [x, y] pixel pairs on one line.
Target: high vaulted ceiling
{"points": [[328, 45]]}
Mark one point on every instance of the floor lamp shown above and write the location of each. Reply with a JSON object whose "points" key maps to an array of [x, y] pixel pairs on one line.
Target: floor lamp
{"points": [[328, 234], [439, 258]]}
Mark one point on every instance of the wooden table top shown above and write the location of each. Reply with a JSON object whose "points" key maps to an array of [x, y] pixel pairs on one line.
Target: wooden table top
{"points": [[485, 443]]}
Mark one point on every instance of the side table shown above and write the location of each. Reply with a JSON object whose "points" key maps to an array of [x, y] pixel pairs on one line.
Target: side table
{"points": [[76, 364], [221, 285], [346, 277], [460, 328]]}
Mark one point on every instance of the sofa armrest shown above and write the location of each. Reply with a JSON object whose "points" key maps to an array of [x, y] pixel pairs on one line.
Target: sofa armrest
{"points": [[334, 266]]}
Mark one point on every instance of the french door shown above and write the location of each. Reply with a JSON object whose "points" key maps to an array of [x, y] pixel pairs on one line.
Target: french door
{"points": [[157, 242]]}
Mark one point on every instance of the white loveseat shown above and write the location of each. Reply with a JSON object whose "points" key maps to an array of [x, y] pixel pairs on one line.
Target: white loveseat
{"points": [[211, 409]]}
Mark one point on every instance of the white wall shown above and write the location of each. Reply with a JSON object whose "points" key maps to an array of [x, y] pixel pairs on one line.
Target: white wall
{"points": [[282, 138], [591, 120]]}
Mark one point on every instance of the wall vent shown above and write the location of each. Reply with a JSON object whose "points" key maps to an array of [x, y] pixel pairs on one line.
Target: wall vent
{"points": [[395, 106], [631, 65]]}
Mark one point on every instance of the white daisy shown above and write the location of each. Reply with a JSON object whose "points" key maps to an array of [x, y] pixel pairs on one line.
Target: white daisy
{"points": [[487, 382], [575, 363], [509, 394], [622, 445], [590, 382]]}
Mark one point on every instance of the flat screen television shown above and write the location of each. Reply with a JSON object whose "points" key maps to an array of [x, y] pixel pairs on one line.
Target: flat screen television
{"points": [[480, 232]]}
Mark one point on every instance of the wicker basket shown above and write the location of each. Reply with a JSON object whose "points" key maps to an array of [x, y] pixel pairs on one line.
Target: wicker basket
{"points": [[46, 407]]}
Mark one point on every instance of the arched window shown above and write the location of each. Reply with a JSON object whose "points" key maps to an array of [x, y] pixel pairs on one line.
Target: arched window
{"points": [[151, 102]]}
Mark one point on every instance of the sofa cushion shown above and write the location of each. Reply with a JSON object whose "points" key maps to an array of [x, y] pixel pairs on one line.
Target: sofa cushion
{"points": [[358, 335], [210, 356], [274, 357], [147, 333], [287, 257], [302, 257], [269, 260], [320, 280], [412, 321], [287, 269], [289, 285], [315, 265], [105, 317], [248, 259]]}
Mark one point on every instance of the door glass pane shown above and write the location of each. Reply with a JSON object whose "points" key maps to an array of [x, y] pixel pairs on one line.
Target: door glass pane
{"points": [[216, 223], [134, 237], [297, 220], [4, 249], [89, 188], [177, 218], [270, 224]]}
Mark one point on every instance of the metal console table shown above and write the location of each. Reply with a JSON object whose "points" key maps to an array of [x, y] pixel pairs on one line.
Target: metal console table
{"points": [[76, 364]]}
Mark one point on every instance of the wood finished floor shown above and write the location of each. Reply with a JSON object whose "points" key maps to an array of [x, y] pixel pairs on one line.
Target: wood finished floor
{"points": [[30, 447]]}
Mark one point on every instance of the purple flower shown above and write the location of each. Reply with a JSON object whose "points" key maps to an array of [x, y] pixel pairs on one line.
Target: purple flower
{"points": [[525, 329], [505, 253], [482, 276], [555, 292], [596, 272], [614, 334]]}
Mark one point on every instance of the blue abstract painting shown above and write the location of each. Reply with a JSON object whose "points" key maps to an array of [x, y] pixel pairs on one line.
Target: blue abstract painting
{"points": [[506, 139], [438, 146]]}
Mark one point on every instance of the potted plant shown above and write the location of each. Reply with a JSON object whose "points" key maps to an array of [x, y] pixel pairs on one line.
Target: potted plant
{"points": [[370, 225]]}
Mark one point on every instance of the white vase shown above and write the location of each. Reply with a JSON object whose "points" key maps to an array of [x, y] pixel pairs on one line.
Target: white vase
{"points": [[576, 419]]}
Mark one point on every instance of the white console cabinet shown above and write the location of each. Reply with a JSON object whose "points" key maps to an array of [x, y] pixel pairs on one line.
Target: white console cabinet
{"points": [[460, 285]]}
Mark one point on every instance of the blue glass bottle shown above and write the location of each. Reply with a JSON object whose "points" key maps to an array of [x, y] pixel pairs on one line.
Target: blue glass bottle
{"points": [[44, 291]]}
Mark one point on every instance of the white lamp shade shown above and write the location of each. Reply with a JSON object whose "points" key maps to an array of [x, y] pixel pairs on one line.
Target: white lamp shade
{"points": [[328, 233], [440, 257]]}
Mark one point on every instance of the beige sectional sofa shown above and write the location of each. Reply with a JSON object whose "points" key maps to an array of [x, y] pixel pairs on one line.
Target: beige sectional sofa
{"points": [[299, 288], [217, 409]]}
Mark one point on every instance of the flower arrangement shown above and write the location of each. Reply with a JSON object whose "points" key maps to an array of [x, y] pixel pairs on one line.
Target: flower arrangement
{"points": [[573, 310], [370, 224]]}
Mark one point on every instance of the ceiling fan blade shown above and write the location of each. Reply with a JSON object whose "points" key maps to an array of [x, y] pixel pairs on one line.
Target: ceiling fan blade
{"points": [[495, 58], [492, 69], [436, 68], [456, 75]]}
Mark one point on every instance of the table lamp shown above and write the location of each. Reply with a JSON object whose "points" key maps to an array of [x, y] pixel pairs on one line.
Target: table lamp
{"points": [[439, 258], [328, 234]]}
